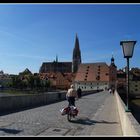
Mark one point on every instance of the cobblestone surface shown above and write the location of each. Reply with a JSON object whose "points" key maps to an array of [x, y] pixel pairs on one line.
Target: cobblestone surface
{"points": [[47, 120]]}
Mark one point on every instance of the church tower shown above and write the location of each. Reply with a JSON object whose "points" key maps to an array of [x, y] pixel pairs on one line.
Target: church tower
{"points": [[76, 56], [112, 73]]}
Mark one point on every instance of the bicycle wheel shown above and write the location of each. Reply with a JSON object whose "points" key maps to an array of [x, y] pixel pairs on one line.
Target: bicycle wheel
{"points": [[69, 117]]}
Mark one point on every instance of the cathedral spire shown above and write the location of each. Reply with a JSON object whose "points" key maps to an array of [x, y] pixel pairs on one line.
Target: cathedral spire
{"points": [[77, 43], [76, 55]]}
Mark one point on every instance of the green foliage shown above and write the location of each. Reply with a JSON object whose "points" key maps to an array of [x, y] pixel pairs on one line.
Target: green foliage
{"points": [[28, 81]]}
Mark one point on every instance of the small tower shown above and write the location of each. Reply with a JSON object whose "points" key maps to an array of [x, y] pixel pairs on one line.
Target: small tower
{"points": [[56, 58], [76, 56], [112, 73]]}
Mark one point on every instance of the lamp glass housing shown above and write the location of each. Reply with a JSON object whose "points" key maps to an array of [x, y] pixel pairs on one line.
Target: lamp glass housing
{"points": [[128, 48]]}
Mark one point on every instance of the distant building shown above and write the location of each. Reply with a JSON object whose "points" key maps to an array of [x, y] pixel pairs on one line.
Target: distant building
{"points": [[134, 81], [121, 81], [112, 74], [58, 80], [87, 76], [5, 79], [62, 74], [55, 67], [96, 76], [92, 76], [26, 72], [64, 67]]}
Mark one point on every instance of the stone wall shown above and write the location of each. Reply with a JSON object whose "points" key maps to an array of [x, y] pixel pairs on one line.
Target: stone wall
{"points": [[10, 103], [130, 126], [18, 102]]}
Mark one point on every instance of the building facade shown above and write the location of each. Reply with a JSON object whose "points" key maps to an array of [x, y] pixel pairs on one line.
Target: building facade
{"points": [[134, 82], [58, 80], [121, 79], [92, 76]]}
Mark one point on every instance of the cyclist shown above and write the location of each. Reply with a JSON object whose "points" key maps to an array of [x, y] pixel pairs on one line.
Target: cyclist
{"points": [[71, 95]]}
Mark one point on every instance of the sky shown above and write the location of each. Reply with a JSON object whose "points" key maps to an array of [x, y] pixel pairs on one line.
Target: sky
{"points": [[31, 34]]}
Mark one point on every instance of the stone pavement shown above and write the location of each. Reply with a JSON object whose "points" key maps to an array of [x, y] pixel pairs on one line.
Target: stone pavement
{"points": [[98, 116], [108, 121]]}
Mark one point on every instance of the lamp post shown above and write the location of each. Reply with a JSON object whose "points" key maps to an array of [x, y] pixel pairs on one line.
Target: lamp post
{"points": [[128, 48]]}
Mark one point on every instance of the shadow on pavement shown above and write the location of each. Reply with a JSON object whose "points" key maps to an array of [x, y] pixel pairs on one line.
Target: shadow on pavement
{"points": [[87, 121], [10, 131]]}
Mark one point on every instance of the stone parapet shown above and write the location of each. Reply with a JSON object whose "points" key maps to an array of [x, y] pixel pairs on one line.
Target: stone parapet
{"points": [[130, 126]]}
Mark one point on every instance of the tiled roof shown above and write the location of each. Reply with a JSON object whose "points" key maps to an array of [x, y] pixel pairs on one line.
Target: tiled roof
{"points": [[93, 72], [58, 78]]}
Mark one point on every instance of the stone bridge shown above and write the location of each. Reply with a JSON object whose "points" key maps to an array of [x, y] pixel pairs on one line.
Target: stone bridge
{"points": [[99, 115]]}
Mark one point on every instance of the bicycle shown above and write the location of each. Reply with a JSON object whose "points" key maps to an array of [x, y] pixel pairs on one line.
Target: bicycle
{"points": [[70, 111]]}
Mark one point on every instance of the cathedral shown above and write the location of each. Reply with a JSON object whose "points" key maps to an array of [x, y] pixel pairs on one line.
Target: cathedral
{"points": [[87, 76], [64, 67]]}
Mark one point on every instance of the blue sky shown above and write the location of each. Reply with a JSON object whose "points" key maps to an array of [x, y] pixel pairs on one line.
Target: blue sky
{"points": [[34, 33]]}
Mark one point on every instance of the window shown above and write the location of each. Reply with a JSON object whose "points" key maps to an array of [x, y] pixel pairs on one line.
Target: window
{"points": [[85, 87], [106, 74], [136, 89], [98, 78], [91, 87], [136, 85], [98, 67]]}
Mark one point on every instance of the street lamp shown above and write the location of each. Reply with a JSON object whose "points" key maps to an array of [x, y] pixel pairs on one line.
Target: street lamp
{"points": [[128, 48]]}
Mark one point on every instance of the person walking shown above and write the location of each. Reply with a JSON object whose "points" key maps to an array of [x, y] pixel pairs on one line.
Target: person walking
{"points": [[113, 90], [71, 95], [110, 91], [79, 92]]}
